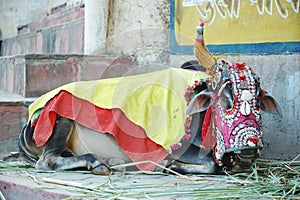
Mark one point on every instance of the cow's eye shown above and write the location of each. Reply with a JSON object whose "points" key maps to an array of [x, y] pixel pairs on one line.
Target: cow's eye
{"points": [[257, 92], [226, 98], [257, 88]]}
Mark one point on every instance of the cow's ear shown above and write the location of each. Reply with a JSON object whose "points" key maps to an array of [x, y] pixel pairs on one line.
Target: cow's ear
{"points": [[270, 105], [199, 103]]}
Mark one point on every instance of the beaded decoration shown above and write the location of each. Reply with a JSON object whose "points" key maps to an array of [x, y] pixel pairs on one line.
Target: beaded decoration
{"points": [[191, 91]]}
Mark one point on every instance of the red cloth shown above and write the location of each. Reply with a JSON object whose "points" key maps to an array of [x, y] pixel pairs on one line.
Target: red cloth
{"points": [[208, 136], [131, 137]]}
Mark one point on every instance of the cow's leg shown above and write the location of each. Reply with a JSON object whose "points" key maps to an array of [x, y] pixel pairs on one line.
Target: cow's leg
{"points": [[27, 146], [51, 157], [195, 161], [82, 161], [190, 158]]}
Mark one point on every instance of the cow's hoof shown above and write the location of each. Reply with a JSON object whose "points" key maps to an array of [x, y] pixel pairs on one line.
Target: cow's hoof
{"points": [[41, 165], [101, 169]]}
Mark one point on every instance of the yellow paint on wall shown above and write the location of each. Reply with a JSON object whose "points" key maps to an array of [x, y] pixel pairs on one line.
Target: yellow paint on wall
{"points": [[256, 23]]}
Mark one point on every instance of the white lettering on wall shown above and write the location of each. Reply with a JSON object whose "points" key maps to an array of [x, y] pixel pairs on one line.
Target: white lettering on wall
{"points": [[209, 9]]}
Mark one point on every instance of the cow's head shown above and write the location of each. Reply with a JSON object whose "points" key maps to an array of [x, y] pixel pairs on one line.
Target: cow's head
{"points": [[234, 100]]}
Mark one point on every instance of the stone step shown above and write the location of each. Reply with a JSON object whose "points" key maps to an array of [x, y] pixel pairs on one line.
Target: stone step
{"points": [[64, 38], [32, 75], [60, 32], [59, 15], [13, 115]]}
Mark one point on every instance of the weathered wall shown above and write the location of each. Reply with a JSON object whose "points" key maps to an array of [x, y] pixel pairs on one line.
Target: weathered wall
{"points": [[144, 27], [139, 28]]}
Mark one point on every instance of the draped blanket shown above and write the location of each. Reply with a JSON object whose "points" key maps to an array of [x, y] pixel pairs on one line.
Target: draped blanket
{"points": [[145, 113]]}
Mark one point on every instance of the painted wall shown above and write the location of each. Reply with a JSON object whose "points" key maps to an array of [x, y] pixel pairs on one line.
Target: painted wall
{"points": [[235, 26]]}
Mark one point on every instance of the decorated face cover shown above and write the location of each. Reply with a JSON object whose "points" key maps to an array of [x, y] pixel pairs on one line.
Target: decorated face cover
{"points": [[237, 119]]}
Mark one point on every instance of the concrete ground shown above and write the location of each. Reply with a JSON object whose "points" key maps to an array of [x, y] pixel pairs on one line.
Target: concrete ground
{"points": [[25, 185], [19, 181]]}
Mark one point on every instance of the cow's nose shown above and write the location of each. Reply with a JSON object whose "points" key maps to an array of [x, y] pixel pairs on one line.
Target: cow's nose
{"points": [[253, 141]]}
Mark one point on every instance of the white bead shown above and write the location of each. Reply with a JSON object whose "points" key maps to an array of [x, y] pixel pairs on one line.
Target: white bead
{"points": [[246, 95]]}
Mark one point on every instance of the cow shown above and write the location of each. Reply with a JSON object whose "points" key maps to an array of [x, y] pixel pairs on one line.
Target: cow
{"points": [[224, 130]]}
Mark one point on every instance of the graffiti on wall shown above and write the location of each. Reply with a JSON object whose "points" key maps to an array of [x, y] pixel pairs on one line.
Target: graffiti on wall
{"points": [[231, 8], [237, 26]]}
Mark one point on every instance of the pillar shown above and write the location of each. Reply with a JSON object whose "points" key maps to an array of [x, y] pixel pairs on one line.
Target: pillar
{"points": [[95, 26]]}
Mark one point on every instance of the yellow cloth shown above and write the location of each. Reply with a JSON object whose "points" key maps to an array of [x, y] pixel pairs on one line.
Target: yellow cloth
{"points": [[155, 101]]}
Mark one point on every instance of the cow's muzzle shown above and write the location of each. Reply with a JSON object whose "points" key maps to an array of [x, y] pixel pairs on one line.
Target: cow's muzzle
{"points": [[240, 161]]}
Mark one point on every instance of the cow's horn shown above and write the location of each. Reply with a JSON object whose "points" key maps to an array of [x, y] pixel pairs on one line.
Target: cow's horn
{"points": [[205, 58]]}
